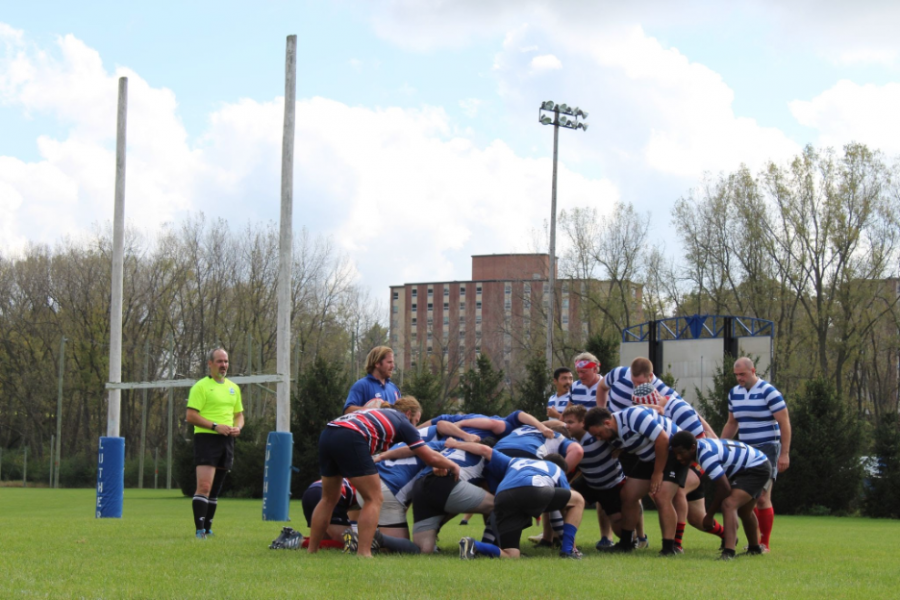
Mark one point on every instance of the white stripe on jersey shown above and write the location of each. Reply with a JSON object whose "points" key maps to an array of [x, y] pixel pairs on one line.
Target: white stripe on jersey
{"points": [[638, 429], [598, 466], [584, 395], [727, 457], [621, 387], [753, 410]]}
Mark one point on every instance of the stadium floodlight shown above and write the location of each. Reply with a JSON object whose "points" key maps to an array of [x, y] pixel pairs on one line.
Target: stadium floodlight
{"points": [[569, 123]]}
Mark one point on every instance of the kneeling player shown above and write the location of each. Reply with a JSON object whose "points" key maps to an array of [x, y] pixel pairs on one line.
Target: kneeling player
{"points": [[723, 460]]}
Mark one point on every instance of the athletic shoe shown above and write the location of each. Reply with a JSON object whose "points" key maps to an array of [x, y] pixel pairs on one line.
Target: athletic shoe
{"points": [[293, 541], [725, 556], [351, 540], [617, 549], [577, 552], [604, 543], [536, 539], [209, 533], [556, 543], [752, 551], [668, 553], [278, 543], [570, 555], [464, 522], [467, 548], [201, 534], [641, 543], [679, 550], [377, 541]]}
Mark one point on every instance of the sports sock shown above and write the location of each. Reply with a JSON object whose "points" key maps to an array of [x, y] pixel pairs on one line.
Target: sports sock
{"points": [[215, 490], [324, 544], [200, 504], [627, 538], [679, 534], [568, 538], [668, 546], [557, 522], [717, 530], [487, 549], [488, 536], [766, 517], [399, 545], [210, 513]]}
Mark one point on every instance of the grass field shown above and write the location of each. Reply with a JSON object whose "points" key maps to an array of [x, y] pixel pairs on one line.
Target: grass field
{"points": [[51, 546]]}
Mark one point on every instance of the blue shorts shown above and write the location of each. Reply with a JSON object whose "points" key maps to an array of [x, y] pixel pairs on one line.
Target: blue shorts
{"points": [[772, 450], [344, 452]]}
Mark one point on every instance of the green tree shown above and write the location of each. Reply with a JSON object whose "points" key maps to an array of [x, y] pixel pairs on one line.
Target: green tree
{"points": [[425, 387], [605, 349], [883, 490], [320, 398], [825, 468], [534, 389], [481, 389], [713, 404]]}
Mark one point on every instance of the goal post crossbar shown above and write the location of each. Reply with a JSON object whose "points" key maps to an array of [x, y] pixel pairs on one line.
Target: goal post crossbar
{"points": [[182, 383]]}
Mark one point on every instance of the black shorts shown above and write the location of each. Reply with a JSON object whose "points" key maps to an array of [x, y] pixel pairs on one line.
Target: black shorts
{"points": [[214, 450], [772, 450], [514, 509], [698, 493], [429, 496], [753, 480], [311, 498], [609, 499], [636, 468], [344, 452]]}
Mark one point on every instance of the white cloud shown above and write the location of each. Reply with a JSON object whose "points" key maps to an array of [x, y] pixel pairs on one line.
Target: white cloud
{"points": [[400, 190], [545, 62], [849, 112], [470, 106]]}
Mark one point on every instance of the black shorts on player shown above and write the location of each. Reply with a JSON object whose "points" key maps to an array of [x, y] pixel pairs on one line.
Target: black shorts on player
{"points": [[515, 508], [344, 452], [311, 498], [610, 500], [214, 450], [635, 468], [753, 480]]}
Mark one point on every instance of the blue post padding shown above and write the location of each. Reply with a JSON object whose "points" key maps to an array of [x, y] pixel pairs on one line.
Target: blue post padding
{"points": [[110, 477], [277, 479]]}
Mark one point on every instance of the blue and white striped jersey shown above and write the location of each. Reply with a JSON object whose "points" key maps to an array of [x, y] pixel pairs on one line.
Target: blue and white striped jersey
{"points": [[727, 457], [529, 439], [754, 410], [525, 472], [638, 429], [684, 416], [398, 475], [584, 395], [559, 403], [600, 469], [621, 388]]}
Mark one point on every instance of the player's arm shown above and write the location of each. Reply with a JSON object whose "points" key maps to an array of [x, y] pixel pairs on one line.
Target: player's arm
{"points": [[478, 449], [397, 453], [723, 490], [602, 393], [193, 417], [552, 413], [784, 422], [495, 426], [355, 399], [526, 419], [436, 461], [731, 428], [661, 448], [707, 429], [447, 429], [574, 454]]}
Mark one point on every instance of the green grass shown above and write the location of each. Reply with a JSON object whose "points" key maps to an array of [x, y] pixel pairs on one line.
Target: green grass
{"points": [[51, 546]]}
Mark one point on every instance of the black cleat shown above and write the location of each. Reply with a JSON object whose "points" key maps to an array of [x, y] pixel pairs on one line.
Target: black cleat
{"points": [[351, 540], [752, 551], [278, 543]]}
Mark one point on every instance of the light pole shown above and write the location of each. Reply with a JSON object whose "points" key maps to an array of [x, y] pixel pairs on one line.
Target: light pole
{"points": [[563, 116]]}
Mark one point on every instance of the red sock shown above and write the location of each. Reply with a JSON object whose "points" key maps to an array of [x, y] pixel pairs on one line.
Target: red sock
{"points": [[766, 517], [717, 529], [679, 533], [331, 544]]}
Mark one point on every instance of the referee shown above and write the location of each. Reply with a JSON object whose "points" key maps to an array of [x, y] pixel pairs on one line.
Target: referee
{"points": [[215, 410]]}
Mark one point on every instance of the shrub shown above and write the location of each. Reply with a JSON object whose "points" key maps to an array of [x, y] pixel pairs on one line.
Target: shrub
{"points": [[882, 498]]}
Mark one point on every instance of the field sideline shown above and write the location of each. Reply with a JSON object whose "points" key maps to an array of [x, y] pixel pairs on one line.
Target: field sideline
{"points": [[52, 546]]}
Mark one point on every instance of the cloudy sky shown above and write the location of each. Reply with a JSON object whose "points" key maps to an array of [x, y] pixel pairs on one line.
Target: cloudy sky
{"points": [[417, 136]]}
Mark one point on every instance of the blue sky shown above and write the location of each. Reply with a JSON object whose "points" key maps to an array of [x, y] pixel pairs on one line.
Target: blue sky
{"points": [[418, 118]]}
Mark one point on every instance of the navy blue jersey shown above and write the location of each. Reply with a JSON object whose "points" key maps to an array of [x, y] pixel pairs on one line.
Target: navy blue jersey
{"points": [[381, 427], [525, 472], [369, 388]]}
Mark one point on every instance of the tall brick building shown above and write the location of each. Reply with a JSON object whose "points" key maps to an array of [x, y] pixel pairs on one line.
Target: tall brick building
{"points": [[501, 311]]}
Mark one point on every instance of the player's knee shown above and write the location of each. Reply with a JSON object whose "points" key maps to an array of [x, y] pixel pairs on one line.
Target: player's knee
{"points": [[576, 500]]}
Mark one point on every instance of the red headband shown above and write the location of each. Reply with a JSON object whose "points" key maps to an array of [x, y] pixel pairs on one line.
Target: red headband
{"points": [[586, 364]]}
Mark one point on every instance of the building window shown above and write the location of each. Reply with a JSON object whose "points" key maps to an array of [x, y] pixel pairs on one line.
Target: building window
{"points": [[446, 306], [478, 335], [478, 305], [394, 338], [565, 287], [446, 351], [413, 309], [446, 320], [565, 303], [413, 322], [415, 292], [462, 306], [431, 291], [429, 335], [565, 319], [507, 288], [429, 350], [462, 334], [430, 321], [395, 309], [526, 305], [446, 292], [478, 289], [394, 324], [430, 306], [462, 291], [462, 320], [507, 305], [396, 295], [478, 320]]}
